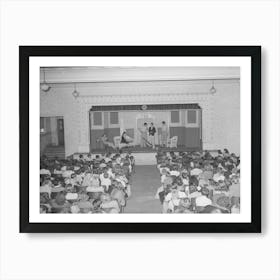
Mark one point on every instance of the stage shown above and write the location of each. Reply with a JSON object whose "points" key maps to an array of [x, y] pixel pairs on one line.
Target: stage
{"points": [[174, 125], [138, 149]]}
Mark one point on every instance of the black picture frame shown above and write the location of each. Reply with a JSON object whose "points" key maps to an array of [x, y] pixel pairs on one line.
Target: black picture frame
{"points": [[25, 52]]}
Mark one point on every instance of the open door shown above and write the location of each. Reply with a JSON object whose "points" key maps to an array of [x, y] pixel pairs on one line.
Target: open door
{"points": [[60, 132]]}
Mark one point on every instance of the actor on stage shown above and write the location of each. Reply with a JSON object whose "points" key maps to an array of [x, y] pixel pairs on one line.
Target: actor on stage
{"points": [[144, 135], [152, 132], [164, 134], [126, 140]]}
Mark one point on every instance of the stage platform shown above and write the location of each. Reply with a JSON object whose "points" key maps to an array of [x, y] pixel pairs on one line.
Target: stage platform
{"points": [[145, 158], [138, 149]]}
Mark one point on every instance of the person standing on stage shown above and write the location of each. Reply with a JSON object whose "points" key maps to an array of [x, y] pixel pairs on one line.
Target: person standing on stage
{"points": [[164, 134], [152, 132], [144, 135]]}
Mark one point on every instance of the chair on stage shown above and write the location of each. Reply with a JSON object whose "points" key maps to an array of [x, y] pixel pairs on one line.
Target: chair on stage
{"points": [[117, 141], [172, 142]]}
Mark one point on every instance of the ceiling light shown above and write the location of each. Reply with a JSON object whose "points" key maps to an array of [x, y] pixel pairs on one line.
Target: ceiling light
{"points": [[213, 89], [75, 93], [44, 86]]}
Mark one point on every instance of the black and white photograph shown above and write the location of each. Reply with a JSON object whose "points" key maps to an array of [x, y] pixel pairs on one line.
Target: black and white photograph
{"points": [[140, 136], [118, 140]]}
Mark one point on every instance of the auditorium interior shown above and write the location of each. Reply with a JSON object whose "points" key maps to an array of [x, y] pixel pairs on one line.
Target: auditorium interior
{"points": [[139, 139]]}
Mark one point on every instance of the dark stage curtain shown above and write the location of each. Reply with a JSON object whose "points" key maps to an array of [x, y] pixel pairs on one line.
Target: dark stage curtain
{"points": [[145, 107]]}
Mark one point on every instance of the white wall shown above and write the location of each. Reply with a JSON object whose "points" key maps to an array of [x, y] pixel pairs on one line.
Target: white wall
{"points": [[226, 116], [221, 123]]}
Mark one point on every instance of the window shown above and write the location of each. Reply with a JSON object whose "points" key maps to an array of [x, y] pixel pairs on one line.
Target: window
{"points": [[175, 116], [191, 116], [97, 118], [114, 118]]}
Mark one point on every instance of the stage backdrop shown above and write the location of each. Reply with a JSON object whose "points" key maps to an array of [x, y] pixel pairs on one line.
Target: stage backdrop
{"points": [[183, 121]]}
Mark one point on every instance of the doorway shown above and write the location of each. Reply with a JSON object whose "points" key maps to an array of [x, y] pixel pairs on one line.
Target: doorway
{"points": [[60, 131], [52, 140]]}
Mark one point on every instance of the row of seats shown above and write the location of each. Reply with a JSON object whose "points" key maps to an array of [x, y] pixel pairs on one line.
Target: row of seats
{"points": [[86, 184], [198, 182]]}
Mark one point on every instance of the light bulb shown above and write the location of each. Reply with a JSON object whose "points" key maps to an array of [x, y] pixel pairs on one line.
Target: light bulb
{"points": [[75, 93], [213, 90], [45, 87]]}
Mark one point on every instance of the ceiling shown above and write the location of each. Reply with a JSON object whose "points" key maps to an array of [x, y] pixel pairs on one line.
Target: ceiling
{"points": [[60, 75]]}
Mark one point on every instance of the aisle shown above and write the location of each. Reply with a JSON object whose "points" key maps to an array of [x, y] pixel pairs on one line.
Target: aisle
{"points": [[145, 182]]}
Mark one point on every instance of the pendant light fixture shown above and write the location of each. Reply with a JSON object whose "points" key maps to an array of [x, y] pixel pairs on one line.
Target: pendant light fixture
{"points": [[213, 89], [75, 93], [44, 86]]}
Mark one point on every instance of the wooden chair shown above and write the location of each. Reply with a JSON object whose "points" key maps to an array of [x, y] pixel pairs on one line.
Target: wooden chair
{"points": [[117, 141]]}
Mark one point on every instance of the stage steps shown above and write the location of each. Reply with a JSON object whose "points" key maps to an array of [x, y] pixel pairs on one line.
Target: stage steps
{"points": [[145, 158], [55, 152]]}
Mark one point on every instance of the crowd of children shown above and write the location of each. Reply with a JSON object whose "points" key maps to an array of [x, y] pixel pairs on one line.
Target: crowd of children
{"points": [[199, 182], [87, 184]]}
